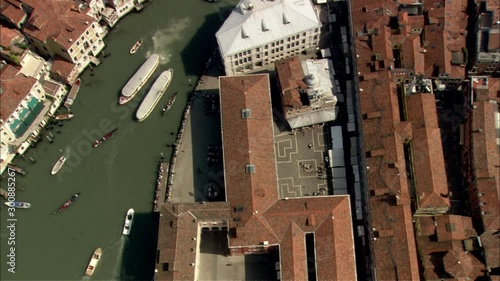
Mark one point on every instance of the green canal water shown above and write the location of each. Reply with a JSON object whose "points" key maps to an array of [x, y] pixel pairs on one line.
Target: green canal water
{"points": [[121, 173]]}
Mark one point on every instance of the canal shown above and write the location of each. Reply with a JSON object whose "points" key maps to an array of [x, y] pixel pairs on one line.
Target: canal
{"points": [[119, 174]]}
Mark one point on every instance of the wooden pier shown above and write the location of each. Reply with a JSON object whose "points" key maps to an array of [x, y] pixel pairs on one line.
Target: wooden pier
{"points": [[4, 193], [17, 169]]}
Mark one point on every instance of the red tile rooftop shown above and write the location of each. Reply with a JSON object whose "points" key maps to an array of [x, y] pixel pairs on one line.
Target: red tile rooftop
{"points": [[15, 87], [248, 191], [59, 20], [62, 67], [7, 36], [11, 9]]}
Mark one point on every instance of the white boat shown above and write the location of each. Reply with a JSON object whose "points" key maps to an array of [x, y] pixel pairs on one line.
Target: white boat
{"points": [[17, 204], [96, 257], [136, 47], [58, 165], [154, 95], [140, 77], [128, 222], [72, 94]]}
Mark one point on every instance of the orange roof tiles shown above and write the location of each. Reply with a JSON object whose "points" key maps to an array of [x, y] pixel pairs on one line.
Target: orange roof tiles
{"points": [[431, 184], [7, 36], [11, 9], [250, 192], [62, 67], [59, 20], [14, 89], [290, 75]]}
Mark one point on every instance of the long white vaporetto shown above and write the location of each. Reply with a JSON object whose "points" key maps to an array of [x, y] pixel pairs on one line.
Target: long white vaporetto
{"points": [[154, 95], [139, 79]]}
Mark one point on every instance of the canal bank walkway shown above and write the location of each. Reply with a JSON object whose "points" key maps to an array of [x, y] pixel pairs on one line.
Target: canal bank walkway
{"points": [[190, 172]]}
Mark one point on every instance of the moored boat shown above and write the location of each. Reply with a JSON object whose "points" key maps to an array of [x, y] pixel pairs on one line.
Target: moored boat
{"points": [[58, 165], [129, 218], [17, 204], [139, 78], [68, 203], [65, 116], [169, 103], [96, 257], [154, 94], [104, 138], [72, 94], [136, 47]]}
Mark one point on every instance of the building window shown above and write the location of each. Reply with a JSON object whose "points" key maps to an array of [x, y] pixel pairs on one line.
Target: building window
{"points": [[71, 50], [257, 56], [82, 38], [77, 43], [87, 32], [258, 50], [282, 41]]}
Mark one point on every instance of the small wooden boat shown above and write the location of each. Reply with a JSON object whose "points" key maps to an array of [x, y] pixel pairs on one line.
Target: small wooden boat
{"points": [[96, 257], [58, 165], [68, 203], [136, 46], [16, 204], [128, 222], [72, 94], [65, 116], [169, 103], [104, 138]]}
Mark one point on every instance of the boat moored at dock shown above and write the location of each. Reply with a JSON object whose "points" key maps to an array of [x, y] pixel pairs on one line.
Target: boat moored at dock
{"points": [[154, 95], [58, 165], [16, 204], [96, 257], [140, 77], [169, 103], [70, 99], [65, 116]]}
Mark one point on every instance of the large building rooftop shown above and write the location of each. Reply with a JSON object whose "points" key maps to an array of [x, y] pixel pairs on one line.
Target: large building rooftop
{"points": [[15, 87], [256, 22]]}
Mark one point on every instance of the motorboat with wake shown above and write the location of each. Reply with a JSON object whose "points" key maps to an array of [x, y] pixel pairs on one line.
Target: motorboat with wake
{"points": [[58, 165], [127, 227], [136, 46], [72, 94], [65, 116], [169, 103], [96, 257], [68, 203], [17, 204], [104, 138]]}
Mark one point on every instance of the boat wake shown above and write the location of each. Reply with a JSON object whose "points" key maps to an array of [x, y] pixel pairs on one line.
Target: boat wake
{"points": [[163, 39], [116, 246]]}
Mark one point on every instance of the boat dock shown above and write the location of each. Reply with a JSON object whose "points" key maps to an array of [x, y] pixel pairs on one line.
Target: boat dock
{"points": [[4, 193], [161, 193], [17, 169]]}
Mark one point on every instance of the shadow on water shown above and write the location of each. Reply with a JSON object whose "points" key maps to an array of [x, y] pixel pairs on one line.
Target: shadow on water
{"points": [[138, 256], [203, 43]]}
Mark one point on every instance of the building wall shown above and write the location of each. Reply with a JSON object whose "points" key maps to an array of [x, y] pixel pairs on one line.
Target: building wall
{"points": [[259, 57]]}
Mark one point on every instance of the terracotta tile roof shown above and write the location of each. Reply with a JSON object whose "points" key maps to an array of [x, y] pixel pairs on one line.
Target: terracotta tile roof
{"points": [[15, 87], [413, 58], [292, 253], [450, 227], [444, 35], [59, 20], [7, 36], [330, 219], [395, 254], [62, 67], [291, 80], [248, 192], [11, 9], [431, 185], [491, 245], [177, 227]]}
